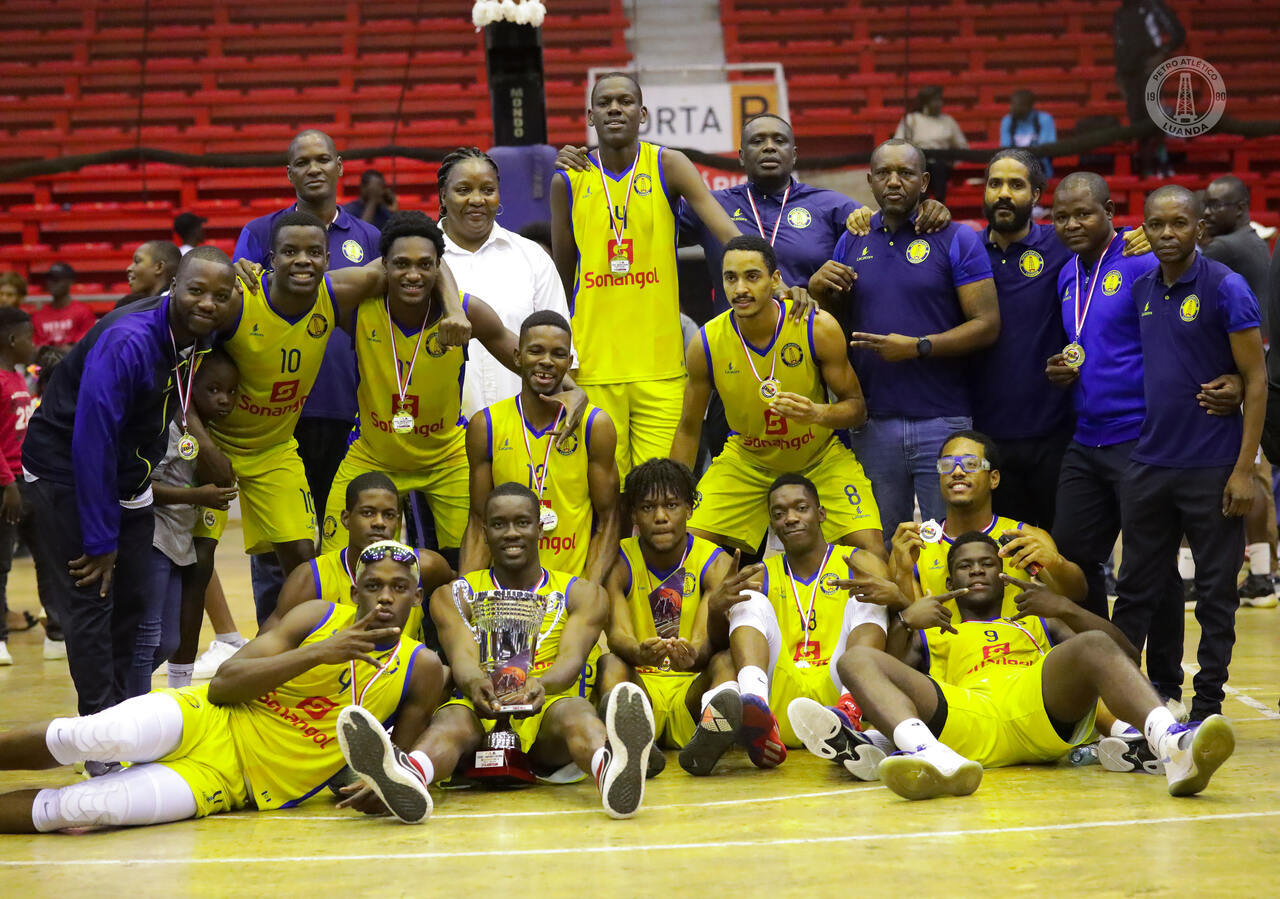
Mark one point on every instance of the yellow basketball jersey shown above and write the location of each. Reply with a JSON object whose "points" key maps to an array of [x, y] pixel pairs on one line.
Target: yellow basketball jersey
{"points": [[626, 327], [552, 620], [331, 573], [278, 361], [773, 441], [642, 581], [815, 644], [984, 650], [565, 490], [287, 738], [433, 397], [931, 567]]}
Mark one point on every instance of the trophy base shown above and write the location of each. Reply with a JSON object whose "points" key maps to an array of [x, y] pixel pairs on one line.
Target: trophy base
{"points": [[498, 768]]}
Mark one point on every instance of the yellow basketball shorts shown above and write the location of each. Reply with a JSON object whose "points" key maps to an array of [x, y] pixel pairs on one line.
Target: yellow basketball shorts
{"points": [[787, 682], [673, 726], [527, 728], [206, 758], [732, 498], [1002, 721], [645, 414], [275, 500], [446, 486]]}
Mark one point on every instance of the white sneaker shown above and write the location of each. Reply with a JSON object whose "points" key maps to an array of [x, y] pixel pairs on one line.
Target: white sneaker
{"points": [[5, 658], [930, 771], [54, 649], [211, 659], [1192, 753], [826, 736]]}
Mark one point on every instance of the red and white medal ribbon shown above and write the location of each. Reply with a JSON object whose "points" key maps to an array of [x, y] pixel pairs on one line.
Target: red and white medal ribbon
{"points": [[1081, 315], [773, 354], [382, 669], [403, 389], [539, 483], [614, 226], [759, 224], [813, 594]]}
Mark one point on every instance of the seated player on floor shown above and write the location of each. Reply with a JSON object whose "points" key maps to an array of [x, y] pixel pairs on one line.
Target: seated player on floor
{"points": [[659, 594], [1012, 690], [563, 727], [260, 735], [372, 514], [784, 638], [775, 377]]}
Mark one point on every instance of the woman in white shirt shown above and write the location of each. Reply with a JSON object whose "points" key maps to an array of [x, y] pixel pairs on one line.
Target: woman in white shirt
{"points": [[511, 273]]}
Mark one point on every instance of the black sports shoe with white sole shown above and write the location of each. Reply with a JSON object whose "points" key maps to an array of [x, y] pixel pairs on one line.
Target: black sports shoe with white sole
{"points": [[383, 767]]}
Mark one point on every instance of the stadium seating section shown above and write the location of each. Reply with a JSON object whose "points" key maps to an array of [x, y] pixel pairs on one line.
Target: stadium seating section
{"points": [[230, 76]]}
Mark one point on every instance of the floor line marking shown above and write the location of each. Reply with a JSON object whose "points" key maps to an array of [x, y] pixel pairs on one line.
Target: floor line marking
{"points": [[1260, 707], [658, 847]]}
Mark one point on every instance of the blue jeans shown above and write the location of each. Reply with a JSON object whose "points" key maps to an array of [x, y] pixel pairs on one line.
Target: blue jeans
{"points": [[158, 628], [900, 457]]}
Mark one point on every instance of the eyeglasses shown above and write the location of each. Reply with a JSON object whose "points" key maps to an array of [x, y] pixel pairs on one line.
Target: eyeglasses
{"points": [[968, 463]]}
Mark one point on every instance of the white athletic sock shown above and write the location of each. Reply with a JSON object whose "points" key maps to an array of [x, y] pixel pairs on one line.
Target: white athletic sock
{"points": [[233, 638], [424, 761], [180, 675], [1157, 726], [715, 691], [1186, 564], [597, 763], [1259, 556], [879, 741], [1123, 729], [754, 682], [914, 734]]}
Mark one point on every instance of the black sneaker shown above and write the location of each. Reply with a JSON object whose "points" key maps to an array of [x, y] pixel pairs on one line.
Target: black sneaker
{"points": [[1258, 591], [657, 763], [827, 737], [717, 731], [628, 723], [384, 767], [1130, 752], [1189, 595]]}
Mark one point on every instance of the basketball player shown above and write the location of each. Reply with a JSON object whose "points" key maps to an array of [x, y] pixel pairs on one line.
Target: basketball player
{"points": [[260, 735], [563, 727], [411, 424], [576, 480], [785, 638], [918, 563], [614, 243], [1014, 690], [659, 596], [774, 375], [372, 515]]}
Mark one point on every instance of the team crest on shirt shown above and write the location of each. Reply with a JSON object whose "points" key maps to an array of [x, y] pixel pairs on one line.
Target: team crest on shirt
{"points": [[353, 251], [799, 217], [792, 355], [569, 445], [330, 526], [644, 185], [1031, 263], [210, 518], [827, 584], [1189, 309], [697, 498], [686, 586], [917, 251], [434, 348], [318, 326], [1112, 281]]}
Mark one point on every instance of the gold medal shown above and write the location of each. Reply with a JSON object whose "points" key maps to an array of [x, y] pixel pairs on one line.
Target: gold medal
{"points": [[769, 389], [188, 446], [402, 422], [1073, 355]]}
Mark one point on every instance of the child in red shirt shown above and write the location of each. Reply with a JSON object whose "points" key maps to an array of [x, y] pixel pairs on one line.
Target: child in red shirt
{"points": [[61, 322], [16, 406]]}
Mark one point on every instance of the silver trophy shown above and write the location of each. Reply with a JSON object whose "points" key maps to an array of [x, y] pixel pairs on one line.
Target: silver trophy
{"points": [[507, 626]]}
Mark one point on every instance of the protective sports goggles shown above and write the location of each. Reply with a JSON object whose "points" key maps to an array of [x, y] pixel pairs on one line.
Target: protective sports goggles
{"points": [[967, 463]]}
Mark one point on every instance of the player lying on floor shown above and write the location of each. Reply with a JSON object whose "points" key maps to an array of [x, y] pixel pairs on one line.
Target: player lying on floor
{"points": [[260, 735]]}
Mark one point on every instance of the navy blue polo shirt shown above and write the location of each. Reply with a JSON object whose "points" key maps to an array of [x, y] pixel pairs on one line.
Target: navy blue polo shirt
{"points": [[907, 285], [1013, 399], [1185, 340], [812, 222], [1108, 395], [351, 242]]}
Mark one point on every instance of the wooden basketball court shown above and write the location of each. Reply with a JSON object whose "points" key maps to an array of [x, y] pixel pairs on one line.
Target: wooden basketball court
{"points": [[805, 828]]}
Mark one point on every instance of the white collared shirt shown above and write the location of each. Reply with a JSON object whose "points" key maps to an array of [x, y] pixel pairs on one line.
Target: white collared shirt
{"points": [[516, 277]]}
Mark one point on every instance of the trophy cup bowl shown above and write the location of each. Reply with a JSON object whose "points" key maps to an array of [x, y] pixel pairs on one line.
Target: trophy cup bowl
{"points": [[507, 626]]}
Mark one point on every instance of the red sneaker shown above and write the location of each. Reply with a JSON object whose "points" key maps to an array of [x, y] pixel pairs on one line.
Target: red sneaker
{"points": [[760, 734], [851, 710]]}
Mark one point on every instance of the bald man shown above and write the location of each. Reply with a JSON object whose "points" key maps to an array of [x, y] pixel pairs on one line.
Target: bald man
{"points": [[1190, 472], [1235, 244]]}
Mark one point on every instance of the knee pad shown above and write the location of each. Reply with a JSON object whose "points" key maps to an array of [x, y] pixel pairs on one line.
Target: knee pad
{"points": [[144, 794], [140, 729], [757, 613]]}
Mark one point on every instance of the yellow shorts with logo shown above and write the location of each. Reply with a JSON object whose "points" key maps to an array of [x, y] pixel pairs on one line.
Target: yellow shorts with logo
{"points": [[787, 683], [673, 726], [1002, 721], [645, 414], [447, 488], [206, 758], [732, 498], [275, 500], [527, 728]]}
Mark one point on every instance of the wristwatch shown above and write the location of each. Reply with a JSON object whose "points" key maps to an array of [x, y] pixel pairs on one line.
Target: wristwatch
{"points": [[924, 346]]}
